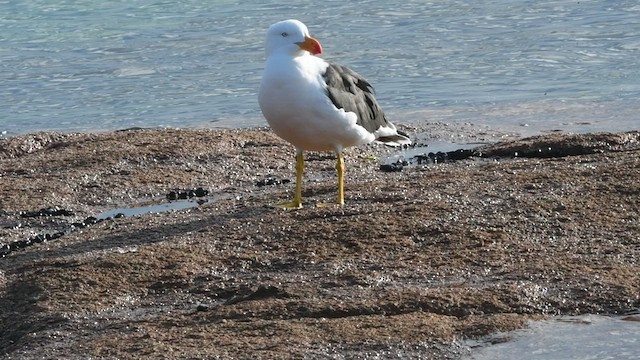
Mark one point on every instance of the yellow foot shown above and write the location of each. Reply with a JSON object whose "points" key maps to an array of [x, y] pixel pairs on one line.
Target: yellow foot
{"points": [[293, 204]]}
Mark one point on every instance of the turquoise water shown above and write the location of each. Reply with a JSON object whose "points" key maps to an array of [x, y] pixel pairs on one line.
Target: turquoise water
{"points": [[103, 65]]}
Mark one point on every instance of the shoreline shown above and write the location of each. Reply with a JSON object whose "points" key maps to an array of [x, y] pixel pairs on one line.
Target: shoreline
{"points": [[414, 261], [524, 118]]}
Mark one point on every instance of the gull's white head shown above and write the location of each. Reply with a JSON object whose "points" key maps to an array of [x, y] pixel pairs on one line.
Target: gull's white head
{"points": [[291, 37]]}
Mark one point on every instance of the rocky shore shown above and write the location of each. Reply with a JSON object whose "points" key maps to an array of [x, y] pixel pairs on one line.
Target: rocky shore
{"points": [[438, 249]]}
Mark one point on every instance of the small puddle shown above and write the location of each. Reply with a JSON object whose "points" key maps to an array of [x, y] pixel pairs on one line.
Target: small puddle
{"points": [[157, 208], [175, 200], [438, 146], [432, 151], [568, 338]]}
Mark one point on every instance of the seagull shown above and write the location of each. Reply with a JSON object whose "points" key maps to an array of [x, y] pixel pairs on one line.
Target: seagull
{"points": [[317, 105]]}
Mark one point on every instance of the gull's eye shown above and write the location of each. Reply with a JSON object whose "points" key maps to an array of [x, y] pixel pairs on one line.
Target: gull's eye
{"points": [[284, 34]]}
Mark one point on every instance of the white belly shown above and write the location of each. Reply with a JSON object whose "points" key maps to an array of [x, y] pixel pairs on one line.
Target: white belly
{"points": [[298, 110]]}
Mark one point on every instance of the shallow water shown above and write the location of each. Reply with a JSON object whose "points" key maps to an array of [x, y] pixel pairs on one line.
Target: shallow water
{"points": [[155, 208], [568, 338], [532, 66]]}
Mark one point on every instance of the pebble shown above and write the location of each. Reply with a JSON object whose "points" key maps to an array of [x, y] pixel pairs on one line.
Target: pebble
{"points": [[187, 194], [443, 157], [394, 167], [50, 211], [272, 180]]}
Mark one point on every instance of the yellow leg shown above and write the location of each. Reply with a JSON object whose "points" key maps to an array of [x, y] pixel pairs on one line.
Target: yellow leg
{"points": [[296, 203], [340, 169]]}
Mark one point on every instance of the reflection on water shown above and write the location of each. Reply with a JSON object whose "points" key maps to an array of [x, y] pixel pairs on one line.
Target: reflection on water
{"points": [[589, 337]]}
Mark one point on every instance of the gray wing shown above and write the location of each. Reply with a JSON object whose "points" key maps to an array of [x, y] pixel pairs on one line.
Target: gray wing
{"points": [[353, 93]]}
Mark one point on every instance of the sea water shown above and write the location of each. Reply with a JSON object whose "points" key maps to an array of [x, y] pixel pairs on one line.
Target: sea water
{"points": [[587, 337], [530, 66]]}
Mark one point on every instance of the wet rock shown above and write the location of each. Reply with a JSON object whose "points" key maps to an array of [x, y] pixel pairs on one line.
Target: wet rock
{"points": [[200, 192], [203, 307], [133, 128], [460, 154], [57, 235], [20, 244], [562, 145], [50, 211], [40, 238], [394, 167], [78, 225], [5, 250], [544, 146], [632, 318], [91, 220], [272, 180], [187, 194], [443, 157], [173, 195]]}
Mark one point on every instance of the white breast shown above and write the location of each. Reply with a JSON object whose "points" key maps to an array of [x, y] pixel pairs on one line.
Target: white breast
{"points": [[293, 99]]}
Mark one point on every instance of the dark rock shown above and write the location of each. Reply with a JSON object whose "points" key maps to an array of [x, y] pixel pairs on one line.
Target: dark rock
{"points": [[20, 244], [200, 192], [631, 318], [91, 220], [394, 167], [443, 157], [460, 154], [5, 250], [272, 180], [57, 235], [562, 145], [51, 211], [188, 194], [202, 307], [134, 128], [172, 196]]}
